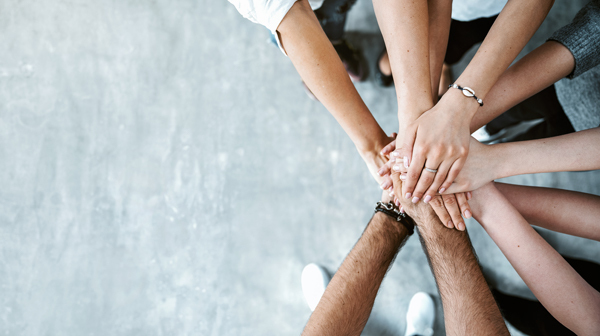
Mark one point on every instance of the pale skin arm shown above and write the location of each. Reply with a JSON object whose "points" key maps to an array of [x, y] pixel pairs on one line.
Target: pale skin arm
{"points": [[569, 298], [348, 299], [439, 139], [469, 308], [570, 152], [565, 211], [320, 67]]}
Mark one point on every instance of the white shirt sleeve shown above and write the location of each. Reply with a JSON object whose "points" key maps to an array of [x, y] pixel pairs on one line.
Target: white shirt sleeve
{"points": [[268, 13]]}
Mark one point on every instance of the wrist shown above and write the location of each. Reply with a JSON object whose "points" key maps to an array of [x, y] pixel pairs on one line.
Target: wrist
{"points": [[463, 105], [388, 226], [371, 146], [502, 160]]}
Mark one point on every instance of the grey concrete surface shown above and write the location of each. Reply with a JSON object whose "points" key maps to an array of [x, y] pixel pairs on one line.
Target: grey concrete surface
{"points": [[163, 173]]}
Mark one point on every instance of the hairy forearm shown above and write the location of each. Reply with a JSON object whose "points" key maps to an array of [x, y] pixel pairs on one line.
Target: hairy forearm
{"points": [[531, 74], [570, 152], [320, 67], [469, 308], [404, 25], [347, 302], [571, 300], [565, 211], [513, 28]]}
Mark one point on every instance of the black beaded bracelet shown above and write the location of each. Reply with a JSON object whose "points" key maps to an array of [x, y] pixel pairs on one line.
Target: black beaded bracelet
{"points": [[391, 210], [467, 92]]}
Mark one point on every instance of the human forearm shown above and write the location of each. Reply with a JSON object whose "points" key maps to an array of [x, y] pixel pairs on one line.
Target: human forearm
{"points": [[349, 297], [320, 67], [565, 211], [440, 12], [571, 300], [404, 25], [531, 74], [469, 307], [570, 152], [513, 28]]}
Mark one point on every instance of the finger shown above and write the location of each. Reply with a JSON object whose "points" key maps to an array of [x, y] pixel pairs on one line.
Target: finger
{"points": [[394, 135], [388, 148], [414, 173], [440, 177], [463, 204], [451, 205], [387, 182], [469, 195], [385, 169], [426, 179], [406, 148], [452, 174], [440, 210]]}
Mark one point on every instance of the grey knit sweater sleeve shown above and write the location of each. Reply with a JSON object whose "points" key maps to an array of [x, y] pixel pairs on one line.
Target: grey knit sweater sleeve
{"points": [[582, 38]]}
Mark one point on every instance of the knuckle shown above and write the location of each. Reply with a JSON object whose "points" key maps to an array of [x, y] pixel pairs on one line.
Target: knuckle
{"points": [[436, 202], [450, 201]]}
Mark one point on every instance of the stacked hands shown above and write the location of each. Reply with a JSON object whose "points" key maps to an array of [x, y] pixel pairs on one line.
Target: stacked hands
{"points": [[447, 195]]}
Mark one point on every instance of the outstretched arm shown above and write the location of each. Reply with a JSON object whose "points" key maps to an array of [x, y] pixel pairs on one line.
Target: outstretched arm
{"points": [[571, 300], [565, 211], [469, 308], [348, 299], [322, 70], [570, 152], [531, 74]]}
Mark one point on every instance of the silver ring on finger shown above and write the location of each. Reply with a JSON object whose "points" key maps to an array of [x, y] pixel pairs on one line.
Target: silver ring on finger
{"points": [[431, 170]]}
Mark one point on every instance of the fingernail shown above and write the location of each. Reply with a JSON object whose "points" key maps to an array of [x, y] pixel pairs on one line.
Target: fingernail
{"points": [[397, 202], [427, 199], [415, 199], [450, 224], [442, 190], [469, 195], [408, 195], [461, 226], [391, 194], [385, 185], [401, 209], [393, 160], [403, 177], [395, 153], [405, 160], [467, 213], [380, 172], [397, 168]]}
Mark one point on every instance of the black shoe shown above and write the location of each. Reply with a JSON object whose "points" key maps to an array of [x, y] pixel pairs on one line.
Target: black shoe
{"points": [[381, 78], [352, 60]]}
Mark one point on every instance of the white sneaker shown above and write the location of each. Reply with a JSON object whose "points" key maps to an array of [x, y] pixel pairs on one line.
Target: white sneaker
{"points": [[314, 280], [420, 315]]}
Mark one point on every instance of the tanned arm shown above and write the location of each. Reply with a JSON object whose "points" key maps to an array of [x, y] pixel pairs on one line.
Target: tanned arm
{"points": [[347, 302], [320, 67], [469, 307]]}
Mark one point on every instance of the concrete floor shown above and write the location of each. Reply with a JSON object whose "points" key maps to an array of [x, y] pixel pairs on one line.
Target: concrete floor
{"points": [[165, 174]]}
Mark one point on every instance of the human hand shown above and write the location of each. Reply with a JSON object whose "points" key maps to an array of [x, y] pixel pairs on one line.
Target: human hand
{"points": [[482, 166], [375, 160], [448, 208], [439, 141]]}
